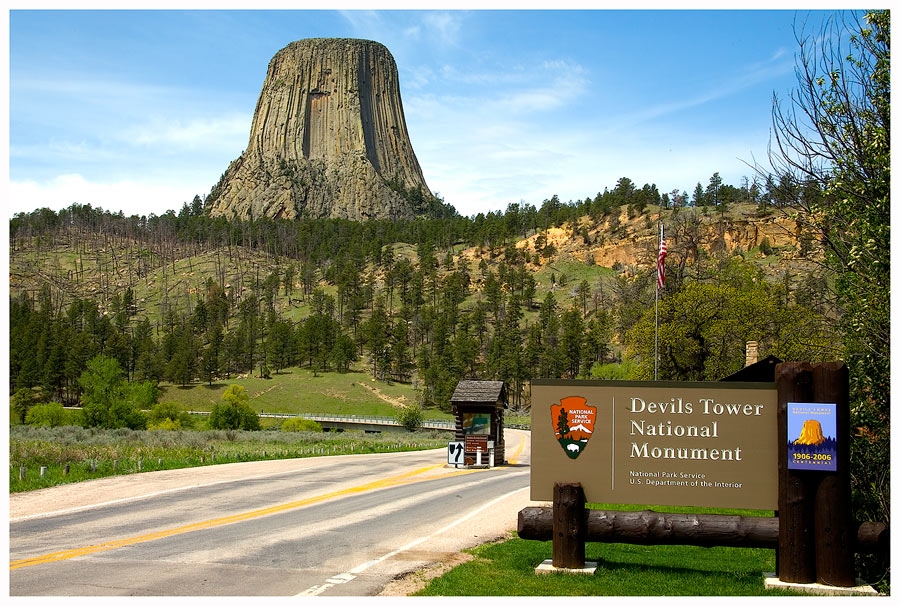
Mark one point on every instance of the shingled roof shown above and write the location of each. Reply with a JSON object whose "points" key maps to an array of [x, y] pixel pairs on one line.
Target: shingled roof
{"points": [[759, 372], [479, 391]]}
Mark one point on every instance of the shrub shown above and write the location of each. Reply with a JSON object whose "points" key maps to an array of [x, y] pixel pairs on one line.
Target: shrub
{"points": [[235, 411], [300, 424], [168, 415], [165, 424], [47, 415], [410, 417]]}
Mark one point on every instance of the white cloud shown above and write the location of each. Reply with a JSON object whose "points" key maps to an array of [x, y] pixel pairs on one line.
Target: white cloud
{"points": [[443, 27], [191, 134]]}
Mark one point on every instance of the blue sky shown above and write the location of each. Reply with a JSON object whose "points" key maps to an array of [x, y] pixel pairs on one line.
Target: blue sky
{"points": [[138, 111]]}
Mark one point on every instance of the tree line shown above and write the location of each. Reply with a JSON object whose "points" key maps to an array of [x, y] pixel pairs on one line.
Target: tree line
{"points": [[317, 241]]}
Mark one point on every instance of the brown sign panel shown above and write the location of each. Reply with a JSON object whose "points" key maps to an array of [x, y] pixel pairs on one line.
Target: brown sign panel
{"points": [[657, 443], [475, 443]]}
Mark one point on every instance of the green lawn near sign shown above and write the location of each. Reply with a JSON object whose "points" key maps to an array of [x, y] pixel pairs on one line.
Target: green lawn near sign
{"points": [[508, 569]]}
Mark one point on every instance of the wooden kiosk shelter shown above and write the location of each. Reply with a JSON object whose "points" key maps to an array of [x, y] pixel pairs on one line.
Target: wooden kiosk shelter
{"points": [[478, 407]]}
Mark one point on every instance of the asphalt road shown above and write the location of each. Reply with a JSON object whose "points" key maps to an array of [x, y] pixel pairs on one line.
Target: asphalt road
{"points": [[342, 525]]}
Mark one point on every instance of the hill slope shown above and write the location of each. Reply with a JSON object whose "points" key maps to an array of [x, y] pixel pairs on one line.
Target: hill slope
{"points": [[169, 274]]}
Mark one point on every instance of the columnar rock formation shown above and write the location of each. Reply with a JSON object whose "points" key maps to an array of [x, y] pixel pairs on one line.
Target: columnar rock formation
{"points": [[328, 139]]}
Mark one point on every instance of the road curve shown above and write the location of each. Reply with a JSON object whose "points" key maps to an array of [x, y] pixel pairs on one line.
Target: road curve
{"points": [[343, 525]]}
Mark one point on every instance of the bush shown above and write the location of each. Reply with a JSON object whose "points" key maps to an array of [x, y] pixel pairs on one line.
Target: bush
{"points": [[164, 425], [300, 424], [235, 412], [233, 415], [168, 415], [410, 417], [47, 415]]}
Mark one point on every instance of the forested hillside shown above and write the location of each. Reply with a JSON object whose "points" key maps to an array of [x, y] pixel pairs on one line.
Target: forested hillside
{"points": [[564, 290]]}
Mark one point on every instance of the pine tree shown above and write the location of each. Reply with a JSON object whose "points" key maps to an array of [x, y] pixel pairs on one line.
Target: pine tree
{"points": [[562, 423]]}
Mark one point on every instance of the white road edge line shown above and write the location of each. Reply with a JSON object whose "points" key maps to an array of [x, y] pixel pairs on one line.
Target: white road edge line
{"points": [[354, 572]]}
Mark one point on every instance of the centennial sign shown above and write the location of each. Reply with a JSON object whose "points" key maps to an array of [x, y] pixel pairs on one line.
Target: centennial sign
{"points": [[812, 431], [657, 443]]}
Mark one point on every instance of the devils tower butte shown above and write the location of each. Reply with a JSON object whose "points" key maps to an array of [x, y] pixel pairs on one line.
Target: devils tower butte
{"points": [[328, 139]]}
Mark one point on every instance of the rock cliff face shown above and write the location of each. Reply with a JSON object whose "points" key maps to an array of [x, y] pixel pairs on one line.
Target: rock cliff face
{"points": [[634, 240], [328, 139]]}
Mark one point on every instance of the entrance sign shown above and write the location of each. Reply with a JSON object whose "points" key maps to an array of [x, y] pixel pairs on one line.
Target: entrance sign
{"points": [[705, 444], [812, 431]]}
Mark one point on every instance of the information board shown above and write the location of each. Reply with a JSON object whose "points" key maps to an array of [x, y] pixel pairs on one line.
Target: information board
{"points": [[699, 444], [476, 443]]}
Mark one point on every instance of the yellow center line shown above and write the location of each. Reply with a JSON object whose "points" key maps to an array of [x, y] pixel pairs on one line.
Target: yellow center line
{"points": [[515, 456], [404, 478]]}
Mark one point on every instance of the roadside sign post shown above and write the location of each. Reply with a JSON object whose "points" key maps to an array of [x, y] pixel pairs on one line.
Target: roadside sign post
{"points": [[456, 453]]}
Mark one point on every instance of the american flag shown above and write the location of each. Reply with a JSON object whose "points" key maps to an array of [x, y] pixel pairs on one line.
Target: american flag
{"points": [[661, 264]]}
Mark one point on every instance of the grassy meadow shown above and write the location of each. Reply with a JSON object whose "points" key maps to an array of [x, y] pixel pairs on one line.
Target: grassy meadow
{"points": [[300, 390]]}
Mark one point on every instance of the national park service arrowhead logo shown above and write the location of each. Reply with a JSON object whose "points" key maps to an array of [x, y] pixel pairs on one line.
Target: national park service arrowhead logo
{"points": [[573, 424]]}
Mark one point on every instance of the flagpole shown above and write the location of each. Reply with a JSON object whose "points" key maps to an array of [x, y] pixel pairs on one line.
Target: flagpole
{"points": [[656, 331]]}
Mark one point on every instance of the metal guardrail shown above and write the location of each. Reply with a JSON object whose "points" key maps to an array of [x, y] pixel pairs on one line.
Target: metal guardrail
{"points": [[427, 423], [361, 419], [517, 426]]}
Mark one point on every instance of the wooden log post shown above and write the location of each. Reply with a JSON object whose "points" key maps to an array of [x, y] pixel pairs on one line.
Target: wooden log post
{"points": [[833, 522], [569, 525], [796, 489], [701, 530], [816, 538]]}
